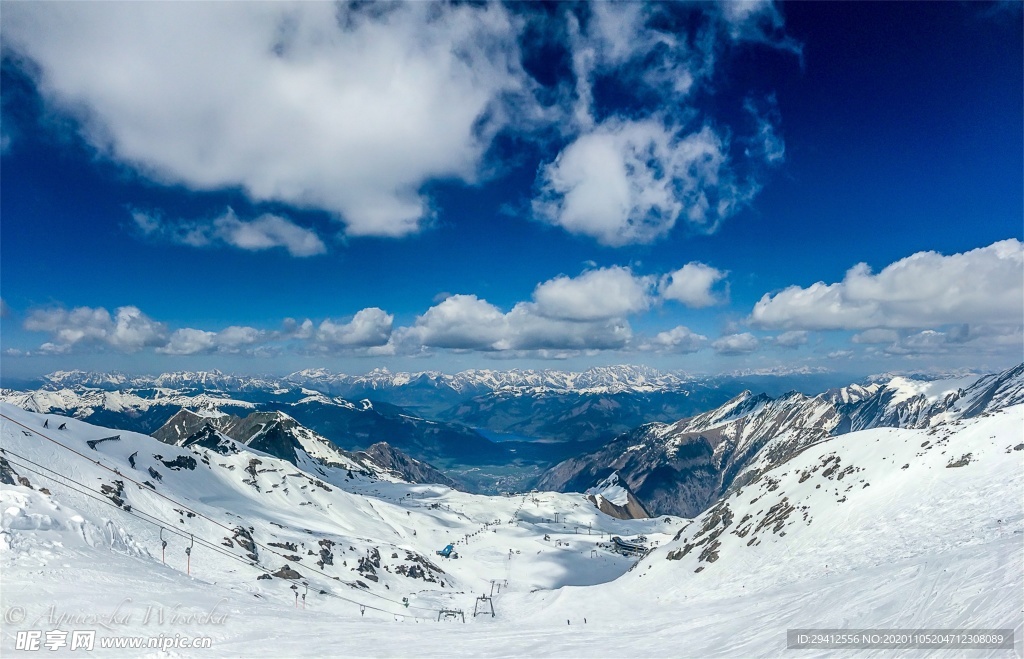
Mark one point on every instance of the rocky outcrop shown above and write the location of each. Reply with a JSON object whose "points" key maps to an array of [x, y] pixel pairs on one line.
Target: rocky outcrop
{"points": [[613, 497], [405, 467]]}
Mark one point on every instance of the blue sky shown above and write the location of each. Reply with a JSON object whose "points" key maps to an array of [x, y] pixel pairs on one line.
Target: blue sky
{"points": [[263, 187]]}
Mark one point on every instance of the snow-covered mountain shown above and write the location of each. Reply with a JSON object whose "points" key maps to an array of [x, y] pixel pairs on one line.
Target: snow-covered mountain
{"points": [[862, 500], [353, 425], [214, 380], [602, 379], [96, 503], [683, 467], [913, 528], [613, 497], [129, 409], [277, 434]]}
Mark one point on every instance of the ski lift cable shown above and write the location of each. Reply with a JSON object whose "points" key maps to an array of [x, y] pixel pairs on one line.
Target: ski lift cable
{"points": [[178, 503], [159, 522], [85, 490]]}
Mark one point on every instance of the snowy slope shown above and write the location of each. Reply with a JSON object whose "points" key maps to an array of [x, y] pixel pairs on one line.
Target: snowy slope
{"points": [[883, 528], [360, 541], [930, 545]]}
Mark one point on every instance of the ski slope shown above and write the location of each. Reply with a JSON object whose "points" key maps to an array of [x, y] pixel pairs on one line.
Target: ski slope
{"points": [[883, 546]]}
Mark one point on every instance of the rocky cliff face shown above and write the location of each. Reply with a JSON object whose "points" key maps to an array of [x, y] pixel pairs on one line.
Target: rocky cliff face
{"points": [[405, 467], [613, 497], [683, 467]]}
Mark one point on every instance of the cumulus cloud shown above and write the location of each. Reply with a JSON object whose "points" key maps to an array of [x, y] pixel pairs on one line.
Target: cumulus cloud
{"points": [[293, 329], [466, 322], [233, 339], [369, 327], [462, 322], [355, 108], [264, 232], [678, 339], [129, 330], [350, 109], [791, 339], [629, 182], [595, 295], [736, 344], [134, 330], [926, 289], [964, 339], [693, 285], [189, 341]]}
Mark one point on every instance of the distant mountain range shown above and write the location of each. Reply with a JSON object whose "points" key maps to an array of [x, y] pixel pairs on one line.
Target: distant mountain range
{"points": [[493, 431]]}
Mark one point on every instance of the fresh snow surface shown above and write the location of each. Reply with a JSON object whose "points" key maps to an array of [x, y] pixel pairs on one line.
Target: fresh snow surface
{"points": [[610, 490], [884, 546], [932, 390]]}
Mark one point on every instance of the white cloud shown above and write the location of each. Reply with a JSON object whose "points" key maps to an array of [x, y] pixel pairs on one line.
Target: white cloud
{"points": [[50, 348], [265, 232], [293, 329], [466, 322], [189, 341], [926, 289], [233, 339], [693, 285], [134, 330], [369, 327], [736, 344], [461, 322], [791, 339], [678, 339], [877, 335], [595, 295], [355, 108], [70, 327], [346, 108], [629, 182], [129, 330], [529, 331], [965, 339], [268, 231], [758, 21], [840, 354]]}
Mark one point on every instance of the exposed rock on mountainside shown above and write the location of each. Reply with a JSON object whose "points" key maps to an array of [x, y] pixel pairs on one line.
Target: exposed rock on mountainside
{"points": [[682, 468], [280, 435], [614, 498], [408, 469]]}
